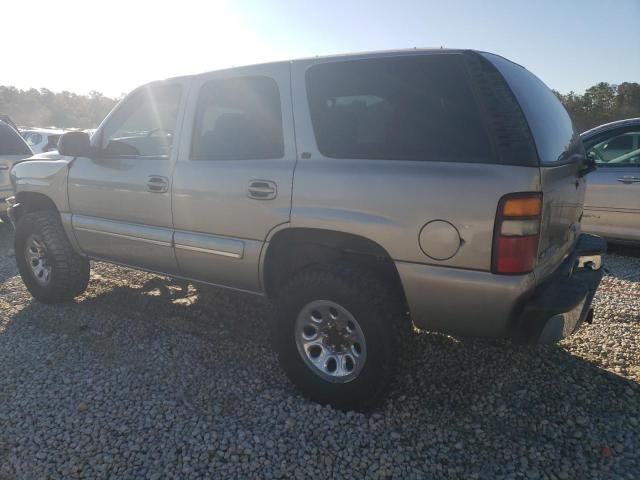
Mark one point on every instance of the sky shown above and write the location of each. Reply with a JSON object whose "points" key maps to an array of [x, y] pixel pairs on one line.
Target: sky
{"points": [[112, 46]]}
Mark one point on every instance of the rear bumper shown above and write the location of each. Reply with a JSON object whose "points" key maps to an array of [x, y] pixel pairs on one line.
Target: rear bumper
{"points": [[476, 303], [562, 303]]}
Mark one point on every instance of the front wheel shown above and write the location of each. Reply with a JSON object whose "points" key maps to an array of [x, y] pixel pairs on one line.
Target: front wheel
{"points": [[335, 333], [51, 270]]}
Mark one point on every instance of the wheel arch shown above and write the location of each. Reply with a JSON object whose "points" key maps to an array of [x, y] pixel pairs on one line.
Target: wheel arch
{"points": [[27, 202], [290, 250]]}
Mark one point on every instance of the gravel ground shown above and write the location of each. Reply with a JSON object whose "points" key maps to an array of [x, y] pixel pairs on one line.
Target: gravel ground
{"points": [[146, 377]]}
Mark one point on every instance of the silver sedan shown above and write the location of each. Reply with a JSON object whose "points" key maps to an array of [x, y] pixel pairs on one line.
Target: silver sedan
{"points": [[612, 203]]}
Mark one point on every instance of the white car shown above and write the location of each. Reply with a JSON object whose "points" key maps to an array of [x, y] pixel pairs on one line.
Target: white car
{"points": [[42, 140]]}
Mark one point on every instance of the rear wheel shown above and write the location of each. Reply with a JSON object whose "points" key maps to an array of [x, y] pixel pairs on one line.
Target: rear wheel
{"points": [[51, 270], [335, 333]]}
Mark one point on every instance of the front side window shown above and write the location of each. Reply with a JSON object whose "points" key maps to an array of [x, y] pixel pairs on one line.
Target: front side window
{"points": [[144, 125], [238, 119], [417, 107], [616, 150]]}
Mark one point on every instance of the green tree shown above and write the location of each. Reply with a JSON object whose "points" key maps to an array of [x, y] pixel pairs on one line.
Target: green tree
{"points": [[44, 108], [602, 103]]}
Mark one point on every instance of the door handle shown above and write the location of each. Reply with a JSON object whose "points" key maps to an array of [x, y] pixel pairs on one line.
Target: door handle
{"points": [[158, 184], [262, 190], [4, 167], [629, 179]]}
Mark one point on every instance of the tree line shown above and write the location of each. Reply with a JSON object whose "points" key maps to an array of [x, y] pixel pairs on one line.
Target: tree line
{"points": [[44, 108], [602, 103], [599, 104]]}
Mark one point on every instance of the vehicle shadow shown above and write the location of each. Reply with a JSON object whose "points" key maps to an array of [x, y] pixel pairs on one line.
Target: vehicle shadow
{"points": [[456, 374]]}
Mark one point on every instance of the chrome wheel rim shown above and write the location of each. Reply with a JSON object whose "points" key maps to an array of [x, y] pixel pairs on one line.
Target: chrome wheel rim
{"points": [[330, 341], [35, 253]]}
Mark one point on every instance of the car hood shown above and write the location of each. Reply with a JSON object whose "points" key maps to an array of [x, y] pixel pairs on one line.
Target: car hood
{"points": [[53, 155]]}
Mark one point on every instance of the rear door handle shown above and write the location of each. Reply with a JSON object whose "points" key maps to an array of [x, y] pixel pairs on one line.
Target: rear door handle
{"points": [[629, 179], [158, 184], [262, 190]]}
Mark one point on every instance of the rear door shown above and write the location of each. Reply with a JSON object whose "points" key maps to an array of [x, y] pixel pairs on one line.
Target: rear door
{"points": [[612, 204], [561, 155], [232, 182]]}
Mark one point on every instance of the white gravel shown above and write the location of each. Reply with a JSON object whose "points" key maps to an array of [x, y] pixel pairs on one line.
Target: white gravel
{"points": [[145, 377]]}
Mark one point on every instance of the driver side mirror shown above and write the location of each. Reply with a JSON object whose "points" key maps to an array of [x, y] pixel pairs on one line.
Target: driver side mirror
{"points": [[589, 164], [74, 144]]}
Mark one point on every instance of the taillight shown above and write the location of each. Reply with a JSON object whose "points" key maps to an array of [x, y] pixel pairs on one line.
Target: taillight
{"points": [[516, 233]]}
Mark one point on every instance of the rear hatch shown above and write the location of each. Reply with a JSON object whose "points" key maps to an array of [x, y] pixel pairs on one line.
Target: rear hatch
{"points": [[561, 158]]}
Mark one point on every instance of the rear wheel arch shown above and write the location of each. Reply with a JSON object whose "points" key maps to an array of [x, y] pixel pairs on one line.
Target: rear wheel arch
{"points": [[291, 250]]}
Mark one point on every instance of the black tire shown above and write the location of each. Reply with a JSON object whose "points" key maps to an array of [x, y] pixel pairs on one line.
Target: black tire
{"points": [[69, 271], [370, 300], [4, 217]]}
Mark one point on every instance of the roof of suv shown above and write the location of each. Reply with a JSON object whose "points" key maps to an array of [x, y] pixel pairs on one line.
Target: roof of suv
{"points": [[340, 56]]}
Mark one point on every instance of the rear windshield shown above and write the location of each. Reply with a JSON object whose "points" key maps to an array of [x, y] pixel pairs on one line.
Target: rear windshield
{"points": [[552, 128], [11, 143], [416, 107]]}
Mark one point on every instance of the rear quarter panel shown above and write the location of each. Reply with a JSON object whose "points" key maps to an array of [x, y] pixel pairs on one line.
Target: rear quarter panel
{"points": [[389, 201]]}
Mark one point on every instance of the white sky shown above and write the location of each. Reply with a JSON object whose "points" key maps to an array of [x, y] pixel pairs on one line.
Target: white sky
{"points": [[115, 45]]}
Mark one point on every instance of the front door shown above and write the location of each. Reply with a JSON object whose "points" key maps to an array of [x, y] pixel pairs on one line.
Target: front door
{"points": [[232, 182], [612, 203], [120, 200]]}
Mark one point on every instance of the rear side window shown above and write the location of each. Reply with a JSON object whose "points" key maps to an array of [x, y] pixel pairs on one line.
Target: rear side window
{"points": [[11, 143], [238, 119], [417, 107], [552, 128]]}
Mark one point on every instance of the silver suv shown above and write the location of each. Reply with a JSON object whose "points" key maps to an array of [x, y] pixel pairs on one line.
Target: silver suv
{"points": [[364, 194]]}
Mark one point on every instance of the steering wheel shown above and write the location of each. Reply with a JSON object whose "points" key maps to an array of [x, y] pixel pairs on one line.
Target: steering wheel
{"points": [[598, 155], [167, 132]]}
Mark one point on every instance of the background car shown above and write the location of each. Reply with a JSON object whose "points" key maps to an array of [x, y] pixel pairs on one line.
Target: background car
{"points": [[612, 203], [42, 140], [12, 149]]}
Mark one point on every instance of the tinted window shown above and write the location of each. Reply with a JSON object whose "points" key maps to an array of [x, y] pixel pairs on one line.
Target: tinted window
{"points": [[615, 150], [398, 108], [623, 142], [238, 119], [11, 143], [550, 123], [144, 124]]}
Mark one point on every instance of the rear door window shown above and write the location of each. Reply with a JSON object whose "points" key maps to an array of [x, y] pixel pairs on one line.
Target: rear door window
{"points": [[415, 107], [11, 143], [238, 119], [552, 128]]}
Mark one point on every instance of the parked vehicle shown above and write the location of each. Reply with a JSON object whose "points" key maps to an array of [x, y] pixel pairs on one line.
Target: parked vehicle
{"points": [[361, 193], [12, 149], [612, 203], [42, 140]]}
